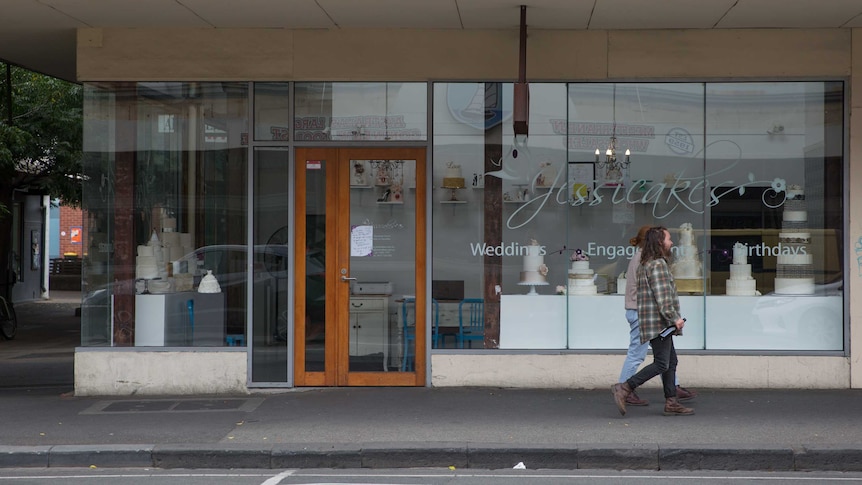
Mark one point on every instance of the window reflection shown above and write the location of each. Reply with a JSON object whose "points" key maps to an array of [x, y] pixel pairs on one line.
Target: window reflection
{"points": [[165, 198]]}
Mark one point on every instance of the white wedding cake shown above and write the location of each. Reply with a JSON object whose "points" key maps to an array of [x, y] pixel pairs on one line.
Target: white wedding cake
{"points": [[581, 277], [535, 271], [741, 283], [794, 269], [686, 263], [452, 177], [687, 269]]}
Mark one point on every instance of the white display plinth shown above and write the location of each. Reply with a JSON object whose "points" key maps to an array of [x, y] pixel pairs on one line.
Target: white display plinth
{"points": [[533, 322], [599, 322], [165, 319], [775, 322]]}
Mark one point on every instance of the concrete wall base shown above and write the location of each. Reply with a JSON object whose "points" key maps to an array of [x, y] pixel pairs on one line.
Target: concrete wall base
{"points": [[127, 372], [596, 371]]}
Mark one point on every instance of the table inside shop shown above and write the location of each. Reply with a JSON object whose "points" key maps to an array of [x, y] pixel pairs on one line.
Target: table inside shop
{"points": [[448, 325]]}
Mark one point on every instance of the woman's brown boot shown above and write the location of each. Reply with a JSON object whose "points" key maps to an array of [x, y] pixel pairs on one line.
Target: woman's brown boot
{"points": [[672, 407]]}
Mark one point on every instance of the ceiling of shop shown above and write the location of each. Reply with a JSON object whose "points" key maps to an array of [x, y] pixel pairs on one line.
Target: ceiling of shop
{"points": [[40, 34]]}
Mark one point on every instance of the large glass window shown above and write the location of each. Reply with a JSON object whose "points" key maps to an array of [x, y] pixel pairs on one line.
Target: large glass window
{"points": [[166, 262], [746, 176], [361, 111]]}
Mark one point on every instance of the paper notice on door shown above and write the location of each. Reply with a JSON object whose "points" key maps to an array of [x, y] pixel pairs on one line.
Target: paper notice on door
{"points": [[361, 241]]}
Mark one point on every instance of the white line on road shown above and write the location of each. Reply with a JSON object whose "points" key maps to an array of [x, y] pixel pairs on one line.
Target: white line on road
{"points": [[278, 478]]}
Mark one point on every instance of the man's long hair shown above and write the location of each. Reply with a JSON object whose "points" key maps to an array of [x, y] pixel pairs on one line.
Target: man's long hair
{"points": [[654, 245]]}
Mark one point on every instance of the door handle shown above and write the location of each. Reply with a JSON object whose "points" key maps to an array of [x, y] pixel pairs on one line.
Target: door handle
{"points": [[345, 278]]}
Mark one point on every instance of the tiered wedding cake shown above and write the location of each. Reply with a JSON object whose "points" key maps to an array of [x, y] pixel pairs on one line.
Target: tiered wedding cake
{"points": [[686, 267], [794, 272], [581, 277], [452, 176], [535, 271], [146, 267], [741, 283]]}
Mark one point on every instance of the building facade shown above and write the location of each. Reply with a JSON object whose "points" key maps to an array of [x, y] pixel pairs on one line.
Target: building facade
{"points": [[279, 208]]}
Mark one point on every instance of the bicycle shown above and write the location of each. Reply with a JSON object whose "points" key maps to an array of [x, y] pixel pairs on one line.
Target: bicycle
{"points": [[8, 319]]}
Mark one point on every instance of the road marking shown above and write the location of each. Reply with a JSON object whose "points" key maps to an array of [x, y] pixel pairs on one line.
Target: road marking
{"points": [[278, 478]]}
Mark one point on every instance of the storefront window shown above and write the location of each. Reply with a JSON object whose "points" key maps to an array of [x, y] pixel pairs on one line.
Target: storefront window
{"points": [[361, 111], [271, 112], [165, 198], [540, 229]]}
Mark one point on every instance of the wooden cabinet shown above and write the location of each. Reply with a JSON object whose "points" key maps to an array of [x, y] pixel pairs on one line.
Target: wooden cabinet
{"points": [[369, 326]]}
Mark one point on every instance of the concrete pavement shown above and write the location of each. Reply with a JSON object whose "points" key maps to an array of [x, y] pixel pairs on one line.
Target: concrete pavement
{"points": [[413, 427]]}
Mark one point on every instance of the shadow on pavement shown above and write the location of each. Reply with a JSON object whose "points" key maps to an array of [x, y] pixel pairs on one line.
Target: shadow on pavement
{"points": [[42, 354]]}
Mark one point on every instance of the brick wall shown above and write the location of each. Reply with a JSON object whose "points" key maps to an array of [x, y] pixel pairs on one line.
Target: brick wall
{"points": [[71, 218]]}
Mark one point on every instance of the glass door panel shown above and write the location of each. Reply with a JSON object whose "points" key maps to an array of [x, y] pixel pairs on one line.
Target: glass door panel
{"points": [[270, 272], [382, 262]]}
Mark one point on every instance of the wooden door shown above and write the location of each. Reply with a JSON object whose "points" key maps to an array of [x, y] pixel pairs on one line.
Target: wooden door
{"points": [[360, 250]]}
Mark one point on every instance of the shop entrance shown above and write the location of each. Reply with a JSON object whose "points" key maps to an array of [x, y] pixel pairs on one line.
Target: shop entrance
{"points": [[359, 308]]}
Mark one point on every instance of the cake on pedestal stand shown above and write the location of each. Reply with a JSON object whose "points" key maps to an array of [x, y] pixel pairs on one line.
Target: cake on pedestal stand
{"points": [[533, 286]]}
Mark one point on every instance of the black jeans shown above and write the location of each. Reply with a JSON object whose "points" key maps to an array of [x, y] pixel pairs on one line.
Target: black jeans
{"points": [[664, 363]]}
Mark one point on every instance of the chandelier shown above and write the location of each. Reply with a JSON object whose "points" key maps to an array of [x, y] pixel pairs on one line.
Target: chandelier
{"points": [[612, 166]]}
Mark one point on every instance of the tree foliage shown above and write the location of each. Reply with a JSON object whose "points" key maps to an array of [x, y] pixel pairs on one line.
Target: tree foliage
{"points": [[40, 136]]}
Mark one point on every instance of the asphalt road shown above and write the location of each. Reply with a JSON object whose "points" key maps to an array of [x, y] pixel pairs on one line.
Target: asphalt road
{"points": [[409, 477]]}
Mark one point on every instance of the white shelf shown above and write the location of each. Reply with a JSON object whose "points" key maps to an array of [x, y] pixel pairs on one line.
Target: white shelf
{"points": [[390, 203], [453, 201], [360, 186]]}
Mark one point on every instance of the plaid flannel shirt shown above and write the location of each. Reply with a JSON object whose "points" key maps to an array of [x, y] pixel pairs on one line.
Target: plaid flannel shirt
{"points": [[658, 303]]}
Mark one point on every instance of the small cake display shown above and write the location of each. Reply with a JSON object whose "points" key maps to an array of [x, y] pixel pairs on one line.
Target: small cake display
{"points": [[547, 175], [794, 268], [581, 277], [452, 176], [535, 272], [741, 283], [686, 267], [209, 284], [359, 174]]}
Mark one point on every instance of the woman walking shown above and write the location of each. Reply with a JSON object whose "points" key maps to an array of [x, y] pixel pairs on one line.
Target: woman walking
{"points": [[658, 310]]}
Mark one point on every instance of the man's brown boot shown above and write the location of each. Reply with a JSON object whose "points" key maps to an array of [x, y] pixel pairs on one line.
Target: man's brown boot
{"points": [[683, 394], [621, 391], [672, 407]]}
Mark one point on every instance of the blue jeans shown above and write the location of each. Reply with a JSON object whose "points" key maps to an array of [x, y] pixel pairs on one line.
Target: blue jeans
{"points": [[637, 351]]}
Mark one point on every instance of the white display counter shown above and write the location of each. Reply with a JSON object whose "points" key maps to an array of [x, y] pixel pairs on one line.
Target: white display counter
{"points": [[714, 322], [533, 322]]}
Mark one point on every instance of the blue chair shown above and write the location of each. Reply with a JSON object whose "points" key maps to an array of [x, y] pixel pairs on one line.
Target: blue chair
{"points": [[472, 325], [408, 330]]}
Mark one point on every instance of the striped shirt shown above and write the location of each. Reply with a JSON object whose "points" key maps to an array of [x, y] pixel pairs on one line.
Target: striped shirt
{"points": [[658, 303]]}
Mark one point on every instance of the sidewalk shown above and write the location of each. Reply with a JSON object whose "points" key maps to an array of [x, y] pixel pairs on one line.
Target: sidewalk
{"points": [[428, 427], [483, 428]]}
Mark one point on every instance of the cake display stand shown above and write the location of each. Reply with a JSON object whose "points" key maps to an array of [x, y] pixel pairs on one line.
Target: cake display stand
{"points": [[692, 286], [533, 286], [454, 195]]}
